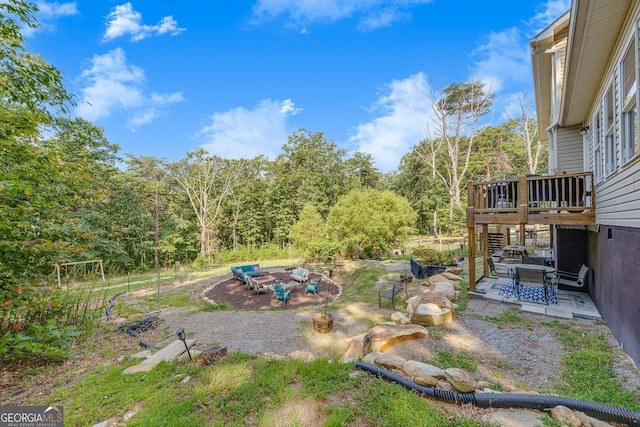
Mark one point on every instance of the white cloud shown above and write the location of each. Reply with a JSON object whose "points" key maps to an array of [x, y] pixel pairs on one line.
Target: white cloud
{"points": [[48, 15], [124, 20], [404, 113], [243, 133], [112, 85], [372, 14], [546, 14], [503, 60]]}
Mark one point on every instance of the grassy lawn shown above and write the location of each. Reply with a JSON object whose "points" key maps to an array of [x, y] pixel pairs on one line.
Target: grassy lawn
{"points": [[247, 390]]}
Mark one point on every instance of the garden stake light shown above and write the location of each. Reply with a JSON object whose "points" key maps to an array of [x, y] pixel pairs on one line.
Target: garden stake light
{"points": [[183, 337]]}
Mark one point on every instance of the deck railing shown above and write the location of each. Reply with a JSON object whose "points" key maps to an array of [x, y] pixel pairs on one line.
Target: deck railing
{"points": [[566, 199]]}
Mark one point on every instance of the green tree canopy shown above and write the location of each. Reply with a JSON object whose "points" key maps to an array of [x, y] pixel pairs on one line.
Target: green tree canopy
{"points": [[371, 218], [310, 226]]}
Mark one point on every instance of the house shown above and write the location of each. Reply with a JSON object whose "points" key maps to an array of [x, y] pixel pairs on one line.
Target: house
{"points": [[586, 69]]}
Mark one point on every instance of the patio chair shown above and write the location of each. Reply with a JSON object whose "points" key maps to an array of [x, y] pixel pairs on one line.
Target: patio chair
{"points": [[281, 293], [313, 286], [498, 270], [528, 283], [258, 287], [575, 280]]}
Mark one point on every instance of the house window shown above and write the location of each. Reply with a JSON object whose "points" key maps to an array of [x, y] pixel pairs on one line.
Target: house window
{"points": [[597, 150], [629, 105], [609, 140]]}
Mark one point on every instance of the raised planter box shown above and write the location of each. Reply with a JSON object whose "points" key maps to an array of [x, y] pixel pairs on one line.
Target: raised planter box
{"points": [[421, 271]]}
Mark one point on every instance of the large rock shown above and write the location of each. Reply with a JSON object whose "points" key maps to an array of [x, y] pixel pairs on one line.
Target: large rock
{"points": [[414, 369], [381, 337], [460, 380], [449, 288], [430, 314], [513, 417], [566, 416], [434, 297], [387, 361], [354, 349], [426, 381]]}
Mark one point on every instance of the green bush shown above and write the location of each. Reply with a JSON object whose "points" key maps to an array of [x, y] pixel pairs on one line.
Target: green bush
{"points": [[48, 342], [427, 256], [321, 250]]}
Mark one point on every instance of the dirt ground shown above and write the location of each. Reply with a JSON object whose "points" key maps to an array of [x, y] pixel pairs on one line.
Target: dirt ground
{"points": [[233, 292]]}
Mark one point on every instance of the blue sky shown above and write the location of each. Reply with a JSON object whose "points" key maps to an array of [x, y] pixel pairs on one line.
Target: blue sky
{"points": [[238, 77]]}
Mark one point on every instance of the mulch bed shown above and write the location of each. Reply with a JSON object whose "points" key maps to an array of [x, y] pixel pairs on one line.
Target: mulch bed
{"points": [[232, 292]]}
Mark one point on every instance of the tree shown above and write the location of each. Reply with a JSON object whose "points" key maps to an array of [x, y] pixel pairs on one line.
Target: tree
{"points": [[32, 203], [527, 134], [371, 219], [154, 175], [310, 226], [457, 114], [360, 170], [207, 181], [310, 171], [27, 82]]}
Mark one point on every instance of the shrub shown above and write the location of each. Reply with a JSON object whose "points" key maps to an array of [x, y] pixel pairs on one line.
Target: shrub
{"points": [[321, 250], [428, 256]]}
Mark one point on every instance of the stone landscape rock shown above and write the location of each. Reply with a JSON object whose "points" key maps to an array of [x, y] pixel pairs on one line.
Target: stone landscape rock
{"points": [[460, 380], [444, 385], [445, 287], [427, 311], [354, 349], [426, 381], [400, 318], [381, 337], [514, 418], [430, 309], [566, 416], [211, 355], [387, 361], [413, 368]]}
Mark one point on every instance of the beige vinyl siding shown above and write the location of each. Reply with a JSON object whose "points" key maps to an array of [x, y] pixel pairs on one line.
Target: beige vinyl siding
{"points": [[569, 150], [618, 197]]}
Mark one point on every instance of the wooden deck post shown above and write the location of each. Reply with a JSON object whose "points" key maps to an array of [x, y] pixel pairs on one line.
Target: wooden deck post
{"points": [[472, 235], [485, 249], [523, 207]]}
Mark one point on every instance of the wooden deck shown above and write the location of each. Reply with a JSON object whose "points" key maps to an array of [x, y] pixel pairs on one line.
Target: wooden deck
{"points": [[558, 199]]}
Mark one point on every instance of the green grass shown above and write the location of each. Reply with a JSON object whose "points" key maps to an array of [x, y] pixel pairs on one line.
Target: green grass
{"points": [[246, 390], [459, 359], [510, 317], [588, 369]]}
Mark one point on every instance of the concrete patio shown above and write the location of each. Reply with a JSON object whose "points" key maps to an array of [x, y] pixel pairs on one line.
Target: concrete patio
{"points": [[570, 303]]}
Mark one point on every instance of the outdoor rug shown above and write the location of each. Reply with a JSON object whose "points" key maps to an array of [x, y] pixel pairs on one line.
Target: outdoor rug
{"points": [[527, 293]]}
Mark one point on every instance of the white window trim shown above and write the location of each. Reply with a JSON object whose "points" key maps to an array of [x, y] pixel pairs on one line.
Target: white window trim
{"points": [[628, 144], [608, 130], [597, 146]]}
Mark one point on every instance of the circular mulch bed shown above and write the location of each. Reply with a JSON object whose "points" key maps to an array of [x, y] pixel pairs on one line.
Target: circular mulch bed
{"points": [[232, 292]]}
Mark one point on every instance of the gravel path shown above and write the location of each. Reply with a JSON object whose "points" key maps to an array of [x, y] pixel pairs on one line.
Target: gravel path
{"points": [[247, 331]]}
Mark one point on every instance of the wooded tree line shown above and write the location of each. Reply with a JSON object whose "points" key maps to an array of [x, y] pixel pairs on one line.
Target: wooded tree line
{"points": [[68, 194]]}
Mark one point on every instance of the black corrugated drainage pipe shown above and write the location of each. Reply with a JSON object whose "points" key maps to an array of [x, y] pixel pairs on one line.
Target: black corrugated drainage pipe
{"points": [[112, 302], [512, 400]]}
